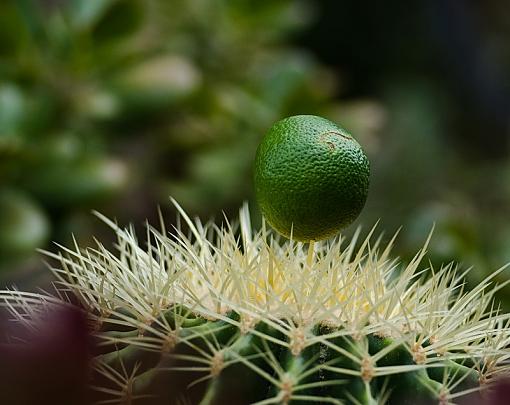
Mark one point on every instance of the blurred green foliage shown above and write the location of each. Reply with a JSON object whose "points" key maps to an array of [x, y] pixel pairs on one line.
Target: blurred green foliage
{"points": [[115, 105]]}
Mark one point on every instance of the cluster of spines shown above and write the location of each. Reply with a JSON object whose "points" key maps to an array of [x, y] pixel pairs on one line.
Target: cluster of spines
{"points": [[192, 315]]}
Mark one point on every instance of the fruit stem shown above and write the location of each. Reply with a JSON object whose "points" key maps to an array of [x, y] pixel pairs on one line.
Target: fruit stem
{"points": [[311, 250]]}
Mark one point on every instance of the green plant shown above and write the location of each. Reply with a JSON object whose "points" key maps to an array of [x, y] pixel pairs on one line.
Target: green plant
{"points": [[228, 315], [90, 89], [311, 177]]}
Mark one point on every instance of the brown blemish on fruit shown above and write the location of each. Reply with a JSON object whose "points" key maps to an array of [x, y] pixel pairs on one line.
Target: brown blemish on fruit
{"points": [[336, 133], [326, 138]]}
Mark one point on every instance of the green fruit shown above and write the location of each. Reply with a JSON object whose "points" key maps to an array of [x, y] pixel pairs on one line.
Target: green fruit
{"points": [[311, 177]]}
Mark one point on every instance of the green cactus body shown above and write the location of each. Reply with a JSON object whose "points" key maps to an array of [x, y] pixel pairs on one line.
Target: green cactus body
{"points": [[232, 316]]}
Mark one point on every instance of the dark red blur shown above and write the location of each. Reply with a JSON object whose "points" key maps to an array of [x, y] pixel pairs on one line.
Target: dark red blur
{"points": [[48, 365]]}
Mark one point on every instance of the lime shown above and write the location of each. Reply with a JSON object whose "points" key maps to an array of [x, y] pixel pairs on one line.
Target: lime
{"points": [[311, 177]]}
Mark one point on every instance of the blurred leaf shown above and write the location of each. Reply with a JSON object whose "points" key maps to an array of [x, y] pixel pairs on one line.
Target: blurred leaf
{"points": [[12, 34], [23, 225], [12, 109], [120, 19], [156, 82], [78, 182], [85, 14]]}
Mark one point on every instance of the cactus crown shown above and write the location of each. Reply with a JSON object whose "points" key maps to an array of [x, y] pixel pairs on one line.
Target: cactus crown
{"points": [[344, 310]]}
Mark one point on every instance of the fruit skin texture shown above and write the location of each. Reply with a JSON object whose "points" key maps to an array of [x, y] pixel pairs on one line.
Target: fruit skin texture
{"points": [[311, 177]]}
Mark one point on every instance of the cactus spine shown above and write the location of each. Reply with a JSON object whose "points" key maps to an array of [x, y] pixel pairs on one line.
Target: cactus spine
{"points": [[226, 315]]}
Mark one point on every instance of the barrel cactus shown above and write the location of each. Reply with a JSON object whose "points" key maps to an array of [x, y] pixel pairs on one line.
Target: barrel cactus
{"points": [[229, 315]]}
